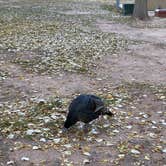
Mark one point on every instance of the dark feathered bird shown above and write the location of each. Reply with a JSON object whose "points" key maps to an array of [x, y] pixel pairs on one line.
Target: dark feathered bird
{"points": [[85, 108]]}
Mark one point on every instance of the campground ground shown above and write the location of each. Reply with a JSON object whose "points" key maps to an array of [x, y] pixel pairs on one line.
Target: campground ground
{"points": [[51, 51]]}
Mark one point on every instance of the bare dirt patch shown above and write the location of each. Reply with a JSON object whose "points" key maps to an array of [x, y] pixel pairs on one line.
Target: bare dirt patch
{"points": [[24, 85], [141, 63], [155, 35], [144, 62]]}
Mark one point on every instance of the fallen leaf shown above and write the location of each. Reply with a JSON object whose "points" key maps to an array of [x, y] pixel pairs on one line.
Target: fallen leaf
{"points": [[25, 159], [134, 151]]}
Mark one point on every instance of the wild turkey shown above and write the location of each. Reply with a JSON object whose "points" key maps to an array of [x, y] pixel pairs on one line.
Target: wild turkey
{"points": [[85, 108]]}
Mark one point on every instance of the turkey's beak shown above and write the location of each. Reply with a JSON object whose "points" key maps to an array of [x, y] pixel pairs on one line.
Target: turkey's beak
{"points": [[99, 108]]}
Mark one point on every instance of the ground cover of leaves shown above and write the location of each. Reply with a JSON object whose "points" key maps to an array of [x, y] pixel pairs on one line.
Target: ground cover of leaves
{"points": [[131, 134], [62, 40], [51, 37]]}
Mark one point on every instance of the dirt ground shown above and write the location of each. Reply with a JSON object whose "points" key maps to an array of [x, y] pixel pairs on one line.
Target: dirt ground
{"points": [[134, 136]]}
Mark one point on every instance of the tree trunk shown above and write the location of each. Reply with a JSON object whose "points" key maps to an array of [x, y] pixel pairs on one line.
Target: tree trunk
{"points": [[140, 10]]}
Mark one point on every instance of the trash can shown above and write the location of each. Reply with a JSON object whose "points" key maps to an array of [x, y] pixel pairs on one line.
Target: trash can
{"points": [[128, 9]]}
